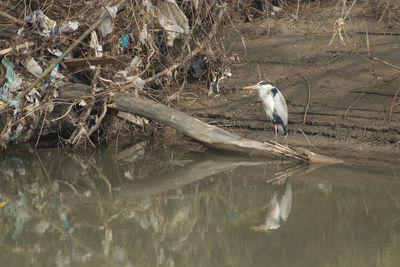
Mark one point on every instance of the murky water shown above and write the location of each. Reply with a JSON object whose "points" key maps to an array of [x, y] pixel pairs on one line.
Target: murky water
{"points": [[162, 209]]}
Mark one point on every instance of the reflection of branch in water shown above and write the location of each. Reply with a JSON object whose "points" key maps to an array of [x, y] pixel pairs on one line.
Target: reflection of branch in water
{"points": [[278, 176], [70, 186], [102, 176], [278, 210], [299, 168], [188, 174], [43, 167]]}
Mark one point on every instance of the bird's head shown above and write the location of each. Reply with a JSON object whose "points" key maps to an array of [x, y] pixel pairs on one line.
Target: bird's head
{"points": [[259, 85]]}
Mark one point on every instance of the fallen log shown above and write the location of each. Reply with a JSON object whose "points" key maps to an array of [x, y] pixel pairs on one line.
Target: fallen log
{"points": [[209, 135], [89, 61]]}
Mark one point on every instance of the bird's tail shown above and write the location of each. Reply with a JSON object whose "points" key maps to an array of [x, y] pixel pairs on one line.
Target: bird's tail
{"points": [[282, 129]]}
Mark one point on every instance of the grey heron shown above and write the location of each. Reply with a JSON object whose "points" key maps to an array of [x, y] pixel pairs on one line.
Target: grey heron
{"points": [[274, 106], [278, 210]]}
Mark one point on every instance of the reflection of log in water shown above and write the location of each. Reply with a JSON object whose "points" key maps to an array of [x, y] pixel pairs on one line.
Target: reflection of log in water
{"points": [[188, 174]]}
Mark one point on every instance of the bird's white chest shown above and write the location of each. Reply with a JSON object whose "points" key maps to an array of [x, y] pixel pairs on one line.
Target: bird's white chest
{"points": [[268, 100]]}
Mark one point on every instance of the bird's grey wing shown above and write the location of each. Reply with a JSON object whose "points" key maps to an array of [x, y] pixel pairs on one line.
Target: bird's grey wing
{"points": [[280, 107]]}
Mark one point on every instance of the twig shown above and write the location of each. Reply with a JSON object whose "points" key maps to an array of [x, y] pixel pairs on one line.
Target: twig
{"points": [[369, 51], [305, 136], [70, 186], [94, 26], [284, 150], [380, 33], [259, 72], [297, 10], [99, 119], [25, 45], [65, 114], [309, 98], [339, 23], [385, 62], [44, 168], [355, 102], [41, 129], [8, 16], [368, 59], [384, 12], [81, 127], [286, 173], [391, 107], [238, 32], [102, 176], [180, 62]]}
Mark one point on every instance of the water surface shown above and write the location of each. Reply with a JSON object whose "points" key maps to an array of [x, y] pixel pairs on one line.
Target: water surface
{"points": [[164, 209]]}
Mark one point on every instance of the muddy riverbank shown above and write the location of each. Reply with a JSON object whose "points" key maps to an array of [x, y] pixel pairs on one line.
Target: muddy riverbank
{"points": [[342, 95], [335, 62]]}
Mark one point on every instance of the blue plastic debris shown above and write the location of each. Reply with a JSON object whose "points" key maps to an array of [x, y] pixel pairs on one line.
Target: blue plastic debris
{"points": [[125, 41], [18, 210], [20, 164], [54, 72], [16, 104], [62, 216], [65, 221], [13, 80], [13, 84], [17, 133]]}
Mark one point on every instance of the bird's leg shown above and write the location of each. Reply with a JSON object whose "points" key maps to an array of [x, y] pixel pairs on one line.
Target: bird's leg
{"points": [[276, 134]]}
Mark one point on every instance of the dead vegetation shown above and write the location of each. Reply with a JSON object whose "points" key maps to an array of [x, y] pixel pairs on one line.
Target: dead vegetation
{"points": [[125, 47], [69, 59]]}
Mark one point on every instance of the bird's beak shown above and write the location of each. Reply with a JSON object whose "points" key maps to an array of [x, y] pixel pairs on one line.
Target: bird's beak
{"points": [[250, 87]]}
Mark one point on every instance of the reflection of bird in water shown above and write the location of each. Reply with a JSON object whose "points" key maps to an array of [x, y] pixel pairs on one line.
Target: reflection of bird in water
{"points": [[278, 210], [274, 106]]}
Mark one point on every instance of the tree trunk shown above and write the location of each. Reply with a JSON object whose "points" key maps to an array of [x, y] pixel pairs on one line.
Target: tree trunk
{"points": [[209, 135]]}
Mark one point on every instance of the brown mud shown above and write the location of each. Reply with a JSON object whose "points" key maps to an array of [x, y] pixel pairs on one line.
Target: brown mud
{"points": [[342, 97]]}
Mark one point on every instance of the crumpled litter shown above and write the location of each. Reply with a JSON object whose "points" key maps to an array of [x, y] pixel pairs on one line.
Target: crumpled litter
{"points": [[217, 78], [16, 104], [139, 83], [42, 24], [143, 36], [45, 26], [17, 133], [17, 209], [55, 52], [94, 44], [13, 80], [172, 19], [68, 27], [106, 26], [33, 67], [54, 76], [135, 63], [12, 85]]}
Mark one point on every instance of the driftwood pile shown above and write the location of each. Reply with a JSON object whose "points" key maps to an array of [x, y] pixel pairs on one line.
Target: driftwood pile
{"points": [[49, 52]]}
